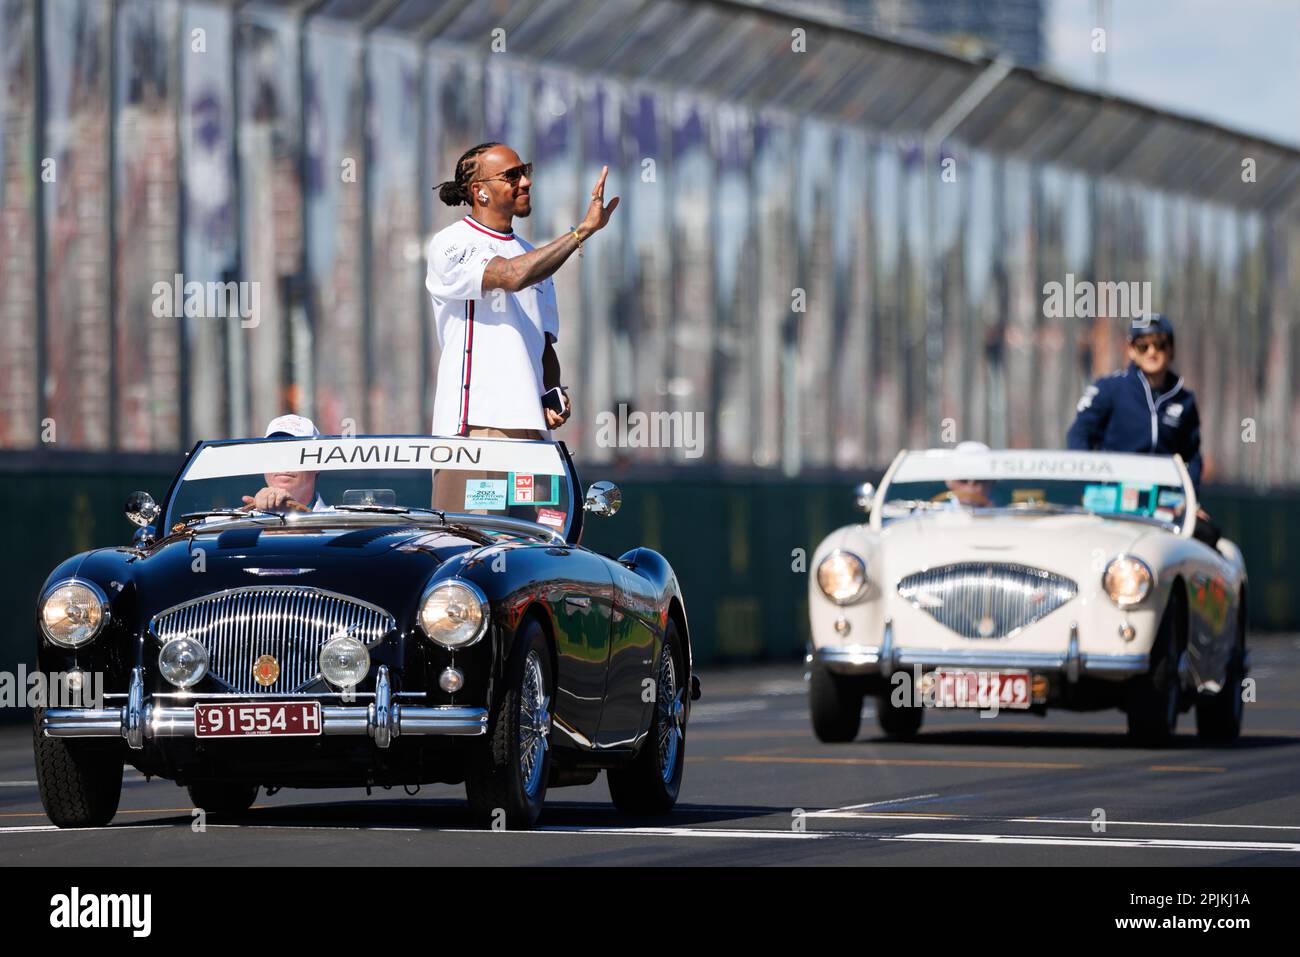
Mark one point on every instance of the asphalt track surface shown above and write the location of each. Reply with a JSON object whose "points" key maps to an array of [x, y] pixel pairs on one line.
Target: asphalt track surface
{"points": [[760, 789]]}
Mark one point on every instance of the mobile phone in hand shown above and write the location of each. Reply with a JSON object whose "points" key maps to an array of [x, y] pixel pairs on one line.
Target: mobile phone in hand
{"points": [[553, 399]]}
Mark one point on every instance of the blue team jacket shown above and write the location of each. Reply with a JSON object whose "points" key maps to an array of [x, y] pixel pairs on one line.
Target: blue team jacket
{"points": [[1120, 413]]}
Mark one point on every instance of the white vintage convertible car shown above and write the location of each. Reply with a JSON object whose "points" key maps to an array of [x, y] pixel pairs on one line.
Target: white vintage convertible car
{"points": [[1023, 580]]}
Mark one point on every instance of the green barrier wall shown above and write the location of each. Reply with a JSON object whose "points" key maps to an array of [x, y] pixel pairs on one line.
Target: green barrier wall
{"points": [[733, 544]]}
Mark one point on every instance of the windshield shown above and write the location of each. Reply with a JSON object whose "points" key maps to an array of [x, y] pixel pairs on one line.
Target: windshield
{"points": [[1122, 486], [294, 478]]}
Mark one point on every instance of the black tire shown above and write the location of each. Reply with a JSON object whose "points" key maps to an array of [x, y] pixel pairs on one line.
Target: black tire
{"points": [[220, 798], [1154, 699], [80, 781], [1219, 716], [649, 785], [899, 722], [835, 702], [494, 780]]}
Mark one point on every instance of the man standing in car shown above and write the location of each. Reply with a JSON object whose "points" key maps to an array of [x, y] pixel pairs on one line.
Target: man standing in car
{"points": [[494, 300], [494, 307], [1144, 407]]}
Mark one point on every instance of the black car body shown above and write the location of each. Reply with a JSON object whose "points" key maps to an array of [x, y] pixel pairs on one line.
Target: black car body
{"points": [[582, 663]]}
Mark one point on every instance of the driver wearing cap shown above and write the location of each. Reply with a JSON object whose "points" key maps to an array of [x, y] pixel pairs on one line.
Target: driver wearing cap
{"points": [[972, 493], [1144, 407], [287, 491]]}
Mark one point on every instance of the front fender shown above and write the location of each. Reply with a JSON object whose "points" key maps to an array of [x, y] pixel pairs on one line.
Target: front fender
{"points": [[864, 619], [114, 651]]}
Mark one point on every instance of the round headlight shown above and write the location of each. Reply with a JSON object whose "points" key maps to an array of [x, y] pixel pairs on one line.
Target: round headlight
{"points": [[454, 613], [73, 613], [344, 661], [842, 577], [1127, 581], [183, 662]]}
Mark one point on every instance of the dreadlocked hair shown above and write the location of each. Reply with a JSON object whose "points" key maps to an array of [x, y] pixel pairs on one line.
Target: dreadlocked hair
{"points": [[454, 192]]}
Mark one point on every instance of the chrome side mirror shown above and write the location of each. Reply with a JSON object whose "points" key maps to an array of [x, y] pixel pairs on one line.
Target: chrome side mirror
{"points": [[141, 509], [603, 498], [864, 495]]}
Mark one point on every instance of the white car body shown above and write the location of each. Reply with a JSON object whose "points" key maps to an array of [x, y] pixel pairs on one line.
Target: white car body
{"points": [[1014, 589]]}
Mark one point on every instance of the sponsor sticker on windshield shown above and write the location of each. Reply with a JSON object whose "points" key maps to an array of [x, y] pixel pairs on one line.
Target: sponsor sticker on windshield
{"points": [[1129, 498], [532, 489], [1170, 498], [485, 493], [1136, 497], [551, 517], [1101, 498]]}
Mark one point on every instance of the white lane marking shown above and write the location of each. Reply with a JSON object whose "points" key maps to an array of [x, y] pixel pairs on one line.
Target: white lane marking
{"points": [[839, 811], [743, 834], [1159, 843], [34, 828], [690, 832], [792, 687], [723, 708], [727, 711], [751, 833], [33, 784], [755, 833], [26, 828], [845, 814]]}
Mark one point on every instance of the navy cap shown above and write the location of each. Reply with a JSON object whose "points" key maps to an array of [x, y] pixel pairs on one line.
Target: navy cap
{"points": [[1147, 325]]}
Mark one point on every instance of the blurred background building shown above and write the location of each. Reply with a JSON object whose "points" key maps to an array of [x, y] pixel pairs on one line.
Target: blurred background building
{"points": [[781, 263]]}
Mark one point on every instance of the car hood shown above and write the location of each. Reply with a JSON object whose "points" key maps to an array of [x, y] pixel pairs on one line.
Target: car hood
{"points": [[1067, 544], [387, 565]]}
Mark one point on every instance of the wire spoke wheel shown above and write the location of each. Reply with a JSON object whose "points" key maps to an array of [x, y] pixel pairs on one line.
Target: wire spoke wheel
{"points": [[671, 710], [650, 782], [534, 723], [509, 771]]}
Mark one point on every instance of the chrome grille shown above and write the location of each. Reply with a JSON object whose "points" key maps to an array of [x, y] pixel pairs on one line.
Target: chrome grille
{"points": [[286, 621], [986, 599]]}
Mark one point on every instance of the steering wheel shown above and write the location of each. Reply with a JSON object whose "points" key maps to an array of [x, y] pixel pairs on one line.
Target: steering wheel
{"points": [[292, 505]]}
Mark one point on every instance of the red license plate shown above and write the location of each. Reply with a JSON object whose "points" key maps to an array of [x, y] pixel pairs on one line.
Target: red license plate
{"points": [[257, 720], [982, 689]]}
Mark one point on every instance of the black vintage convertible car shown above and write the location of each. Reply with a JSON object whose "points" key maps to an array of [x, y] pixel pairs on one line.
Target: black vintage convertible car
{"points": [[294, 613]]}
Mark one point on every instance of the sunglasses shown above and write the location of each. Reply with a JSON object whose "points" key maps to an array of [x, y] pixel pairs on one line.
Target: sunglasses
{"points": [[512, 175], [1144, 346]]}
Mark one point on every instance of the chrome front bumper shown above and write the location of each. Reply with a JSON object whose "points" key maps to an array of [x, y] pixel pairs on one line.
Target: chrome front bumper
{"points": [[382, 719], [889, 657]]}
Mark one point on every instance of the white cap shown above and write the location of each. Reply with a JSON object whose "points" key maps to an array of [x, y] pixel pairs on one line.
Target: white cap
{"points": [[295, 425], [966, 448]]}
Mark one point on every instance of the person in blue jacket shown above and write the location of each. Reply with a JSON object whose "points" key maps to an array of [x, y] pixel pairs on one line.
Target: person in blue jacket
{"points": [[1144, 407]]}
